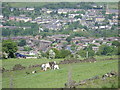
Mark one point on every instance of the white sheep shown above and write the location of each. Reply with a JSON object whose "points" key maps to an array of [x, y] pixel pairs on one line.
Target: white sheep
{"points": [[56, 67]]}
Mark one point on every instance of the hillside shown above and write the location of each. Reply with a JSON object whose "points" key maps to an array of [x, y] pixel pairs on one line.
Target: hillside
{"points": [[112, 5], [57, 78], [27, 4]]}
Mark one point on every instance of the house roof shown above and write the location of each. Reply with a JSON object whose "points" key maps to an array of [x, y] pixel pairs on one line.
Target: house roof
{"points": [[113, 11]]}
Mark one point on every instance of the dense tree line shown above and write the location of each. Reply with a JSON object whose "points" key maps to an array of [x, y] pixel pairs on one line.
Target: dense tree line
{"points": [[10, 47], [58, 53], [33, 29], [103, 50], [82, 5], [16, 12]]}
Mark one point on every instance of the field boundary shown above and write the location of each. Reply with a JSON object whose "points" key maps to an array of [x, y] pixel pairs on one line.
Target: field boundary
{"points": [[27, 77]]}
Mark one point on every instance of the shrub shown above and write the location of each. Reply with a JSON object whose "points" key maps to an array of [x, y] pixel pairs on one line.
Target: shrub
{"points": [[18, 67]]}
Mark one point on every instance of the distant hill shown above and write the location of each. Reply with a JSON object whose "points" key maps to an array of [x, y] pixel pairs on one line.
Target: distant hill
{"points": [[111, 5], [28, 4]]}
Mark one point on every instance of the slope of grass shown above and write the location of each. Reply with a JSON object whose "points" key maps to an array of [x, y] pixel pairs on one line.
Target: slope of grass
{"points": [[28, 4], [57, 78], [110, 82], [105, 57], [9, 63], [111, 5]]}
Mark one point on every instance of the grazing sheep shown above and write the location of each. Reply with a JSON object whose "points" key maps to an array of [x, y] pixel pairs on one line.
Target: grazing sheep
{"points": [[103, 77], [52, 64], [113, 73], [109, 75], [106, 75], [34, 71], [45, 66], [56, 67], [94, 61], [42, 66]]}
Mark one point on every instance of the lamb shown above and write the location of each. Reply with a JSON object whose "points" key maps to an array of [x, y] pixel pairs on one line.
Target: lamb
{"points": [[34, 71], [56, 67]]}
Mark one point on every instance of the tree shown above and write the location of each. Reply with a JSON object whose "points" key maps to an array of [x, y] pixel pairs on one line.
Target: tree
{"points": [[51, 54], [79, 16], [68, 39], [9, 47], [39, 55], [96, 24], [82, 53], [116, 43], [116, 50], [64, 44], [73, 47], [57, 52], [4, 55], [91, 53], [22, 42], [110, 16], [26, 48], [64, 53], [87, 52], [6, 11], [105, 50]]}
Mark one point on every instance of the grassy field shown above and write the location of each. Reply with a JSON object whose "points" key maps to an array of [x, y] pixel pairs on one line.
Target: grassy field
{"points": [[28, 4], [98, 83], [9, 63], [111, 5], [53, 78]]}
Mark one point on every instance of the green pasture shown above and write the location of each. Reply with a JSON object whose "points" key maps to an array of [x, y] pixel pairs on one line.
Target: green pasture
{"points": [[53, 78], [28, 4], [98, 83], [9, 63], [105, 57], [111, 5]]}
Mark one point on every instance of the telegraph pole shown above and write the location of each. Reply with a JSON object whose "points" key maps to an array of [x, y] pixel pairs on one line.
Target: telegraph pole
{"points": [[87, 54]]}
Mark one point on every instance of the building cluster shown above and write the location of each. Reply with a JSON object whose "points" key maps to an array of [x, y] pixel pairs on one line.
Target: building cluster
{"points": [[56, 19], [59, 42]]}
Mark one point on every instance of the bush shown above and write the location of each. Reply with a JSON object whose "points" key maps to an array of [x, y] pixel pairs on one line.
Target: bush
{"points": [[22, 42], [18, 67]]}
